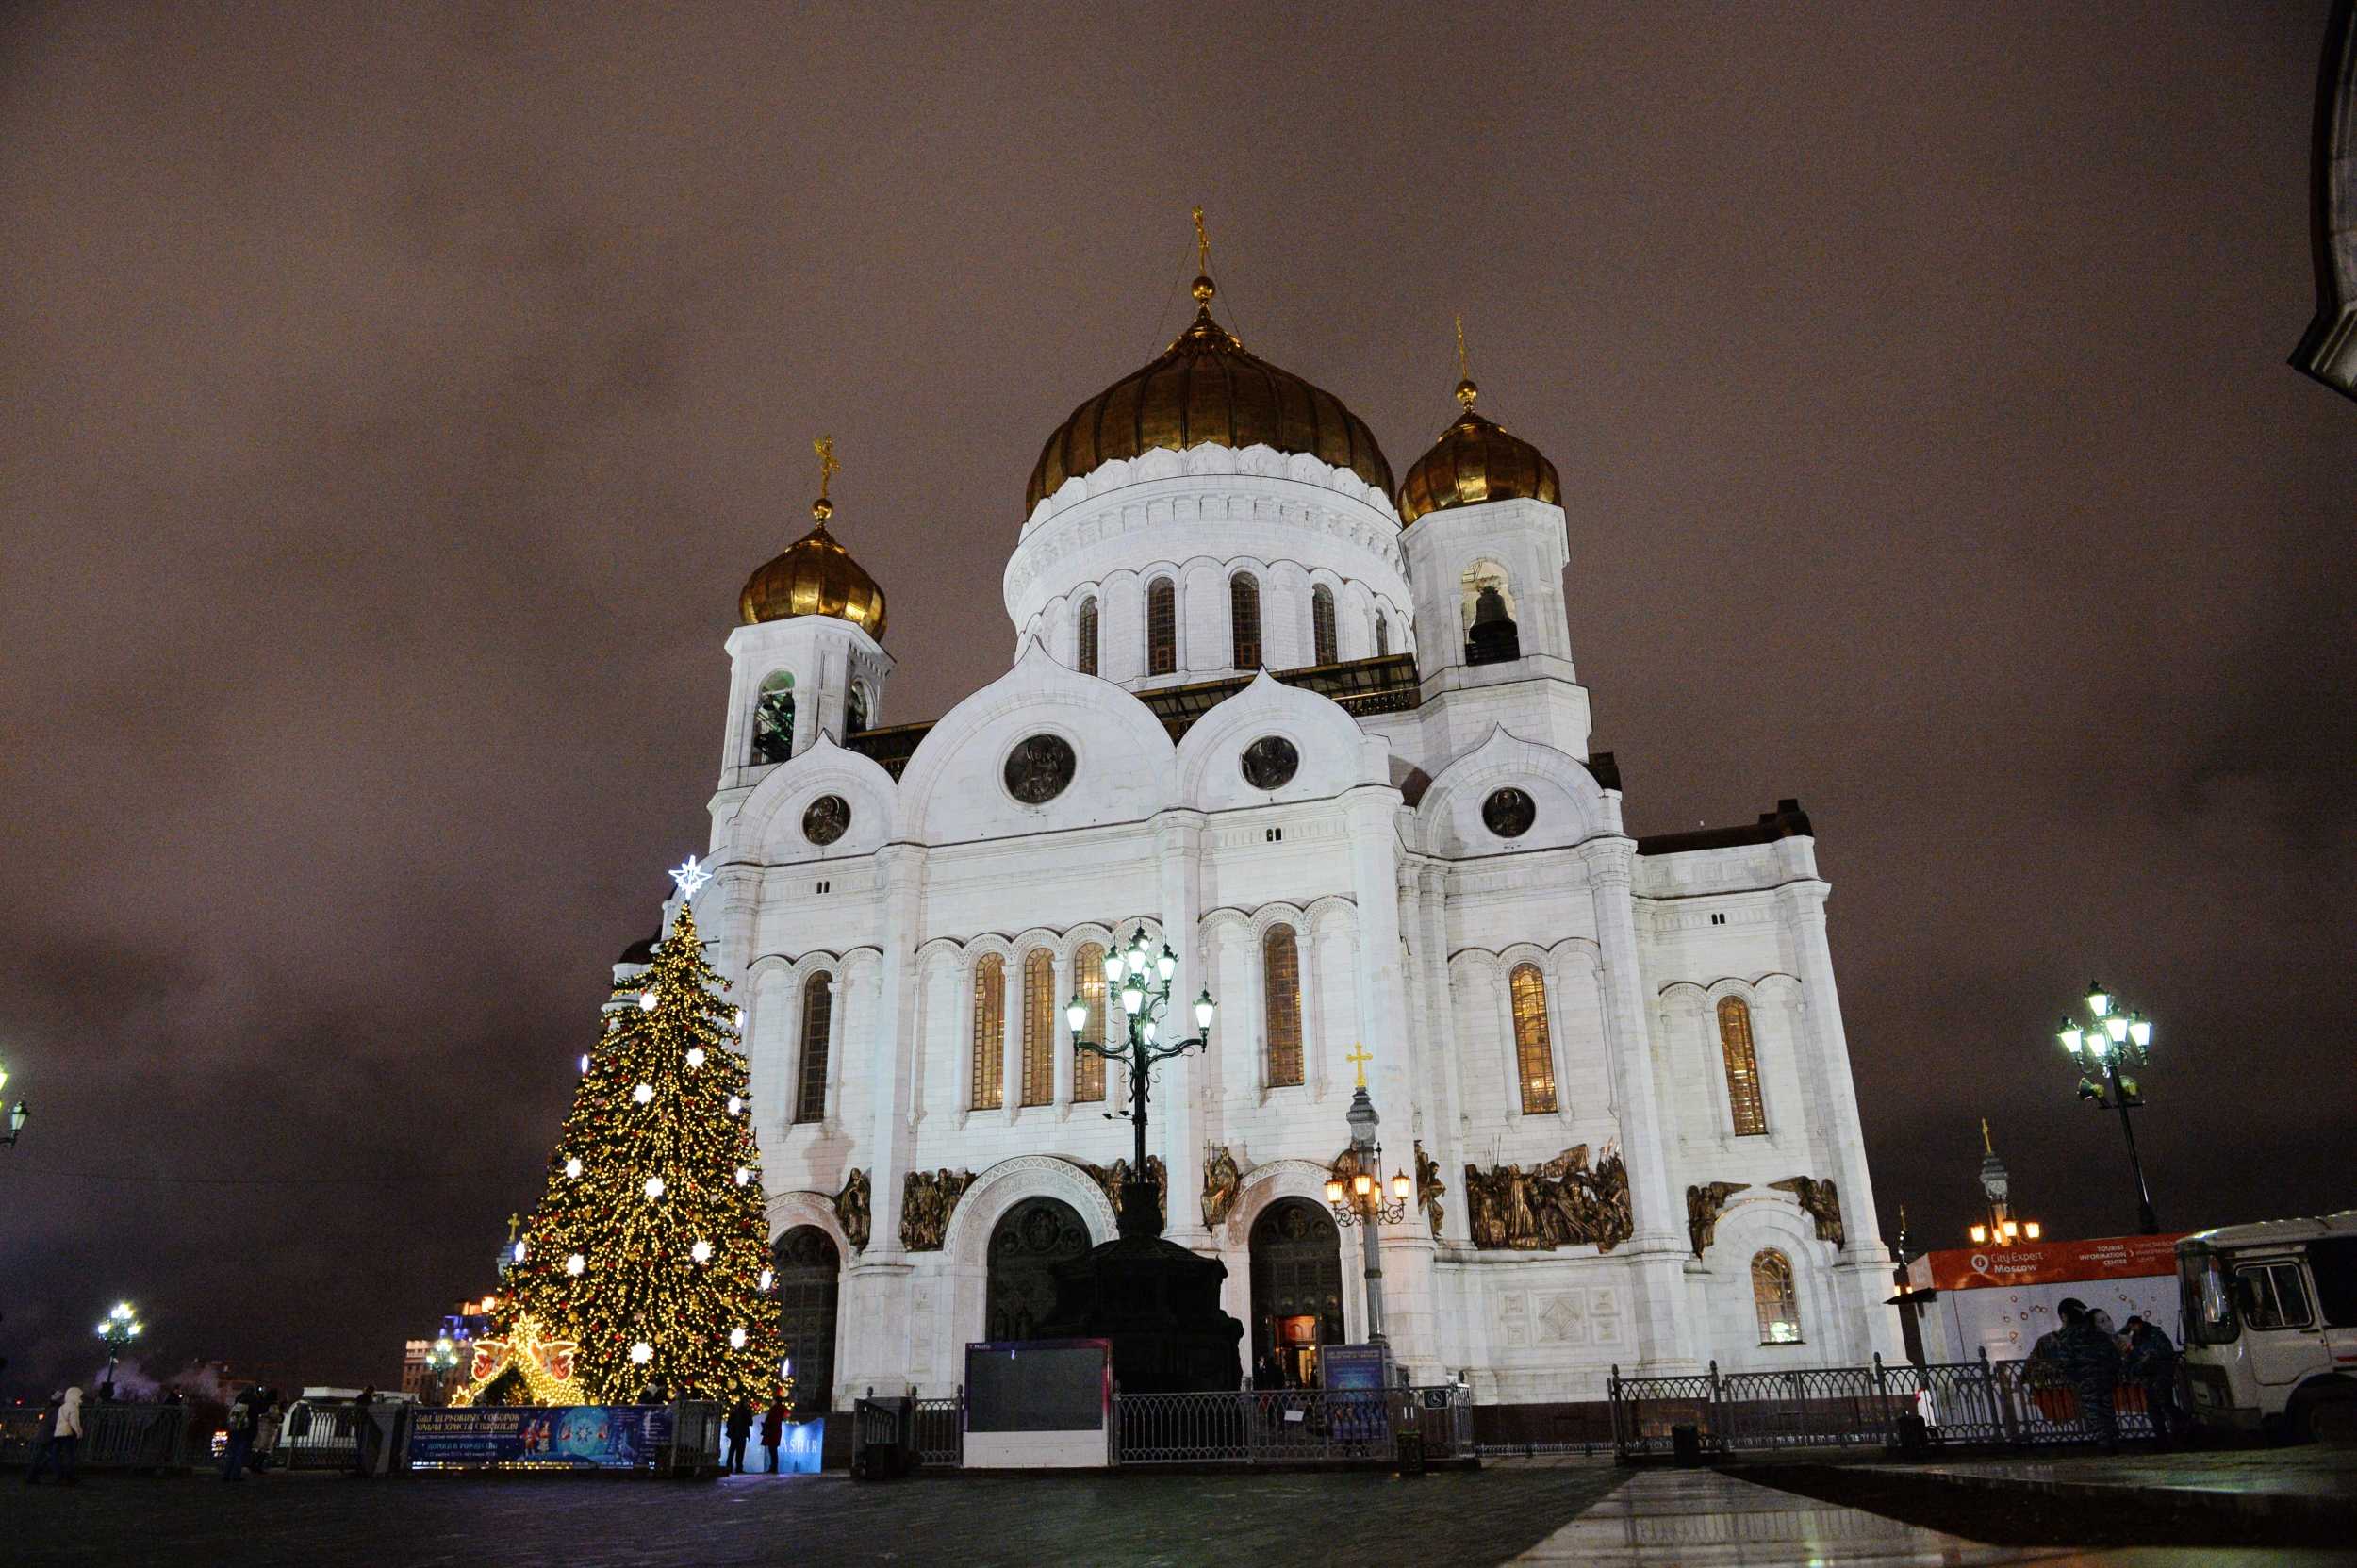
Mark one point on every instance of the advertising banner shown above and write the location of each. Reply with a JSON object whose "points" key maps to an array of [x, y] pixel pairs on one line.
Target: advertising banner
{"points": [[2003, 1299], [539, 1437], [799, 1446], [2045, 1263]]}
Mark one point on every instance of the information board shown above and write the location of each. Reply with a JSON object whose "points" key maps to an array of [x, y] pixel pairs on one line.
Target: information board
{"points": [[539, 1437], [1039, 1403]]}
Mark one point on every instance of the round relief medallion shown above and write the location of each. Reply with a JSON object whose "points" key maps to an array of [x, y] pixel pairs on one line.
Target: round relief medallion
{"points": [[1509, 813], [1270, 763], [826, 819], [1039, 768]]}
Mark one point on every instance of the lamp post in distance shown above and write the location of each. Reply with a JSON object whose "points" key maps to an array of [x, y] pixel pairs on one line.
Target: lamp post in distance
{"points": [[2119, 1039]]}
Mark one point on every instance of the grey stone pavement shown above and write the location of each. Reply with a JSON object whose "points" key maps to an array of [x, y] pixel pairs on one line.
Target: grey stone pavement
{"points": [[1540, 1513]]}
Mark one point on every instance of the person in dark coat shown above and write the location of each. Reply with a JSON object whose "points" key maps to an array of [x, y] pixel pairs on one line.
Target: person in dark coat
{"points": [[773, 1429], [2089, 1358], [363, 1429], [740, 1429], [2152, 1365], [243, 1421], [45, 1438]]}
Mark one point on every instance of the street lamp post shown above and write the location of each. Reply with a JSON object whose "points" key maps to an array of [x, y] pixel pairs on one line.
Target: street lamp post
{"points": [[2120, 1039], [16, 1116], [441, 1358], [1361, 1201], [118, 1329], [1141, 978]]}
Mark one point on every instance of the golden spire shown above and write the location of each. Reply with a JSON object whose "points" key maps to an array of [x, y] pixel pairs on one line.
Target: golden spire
{"points": [[1986, 1148], [1466, 391], [828, 467], [1203, 288]]}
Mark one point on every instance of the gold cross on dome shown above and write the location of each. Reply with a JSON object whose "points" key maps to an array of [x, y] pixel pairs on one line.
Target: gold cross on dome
{"points": [[513, 1221], [1359, 1057], [828, 467], [1202, 244], [1463, 374]]}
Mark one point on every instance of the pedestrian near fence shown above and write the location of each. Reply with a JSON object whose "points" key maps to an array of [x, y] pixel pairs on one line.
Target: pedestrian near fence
{"points": [[2152, 1365], [2088, 1359], [61, 1441]]}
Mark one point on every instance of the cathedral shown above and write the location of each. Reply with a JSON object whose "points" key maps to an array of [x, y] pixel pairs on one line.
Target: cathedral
{"points": [[1318, 730]]}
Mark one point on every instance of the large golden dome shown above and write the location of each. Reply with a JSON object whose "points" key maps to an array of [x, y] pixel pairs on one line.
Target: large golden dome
{"points": [[814, 575], [1205, 390], [1473, 461]]}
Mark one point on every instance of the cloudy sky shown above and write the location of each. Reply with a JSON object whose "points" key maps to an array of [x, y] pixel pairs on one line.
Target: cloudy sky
{"points": [[393, 400]]}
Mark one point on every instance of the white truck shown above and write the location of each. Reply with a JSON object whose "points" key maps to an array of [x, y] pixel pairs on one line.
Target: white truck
{"points": [[2271, 1327]]}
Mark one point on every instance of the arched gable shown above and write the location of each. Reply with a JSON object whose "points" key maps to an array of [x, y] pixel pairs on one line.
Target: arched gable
{"points": [[1008, 1183], [1569, 807], [767, 830], [954, 788], [1335, 755]]}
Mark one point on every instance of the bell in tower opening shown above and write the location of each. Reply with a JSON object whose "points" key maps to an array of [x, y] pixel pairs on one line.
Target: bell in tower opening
{"points": [[1492, 638]]}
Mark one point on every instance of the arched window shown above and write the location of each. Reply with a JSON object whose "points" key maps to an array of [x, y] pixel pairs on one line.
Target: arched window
{"points": [[1534, 1053], [1039, 1026], [1773, 1299], [1162, 627], [1382, 634], [1735, 1044], [1322, 625], [773, 719], [1244, 619], [855, 710], [1088, 1068], [810, 1100], [988, 1091], [1084, 634], [1280, 982]]}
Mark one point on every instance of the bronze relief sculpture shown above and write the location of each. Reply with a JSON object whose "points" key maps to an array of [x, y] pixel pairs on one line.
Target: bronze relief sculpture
{"points": [[1429, 1187], [851, 1210], [1223, 1184], [927, 1199], [1704, 1205], [1820, 1201], [1561, 1203]]}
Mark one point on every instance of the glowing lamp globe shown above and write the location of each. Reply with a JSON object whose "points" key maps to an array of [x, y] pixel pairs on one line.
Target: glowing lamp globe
{"points": [[644, 1093], [1076, 1013], [701, 1252], [1333, 1191], [695, 1056], [641, 1353], [572, 1167], [654, 1188], [736, 1338], [1112, 967], [1400, 1185], [575, 1263]]}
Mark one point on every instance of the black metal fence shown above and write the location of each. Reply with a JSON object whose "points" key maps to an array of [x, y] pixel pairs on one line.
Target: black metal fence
{"points": [[115, 1436], [1999, 1402]]}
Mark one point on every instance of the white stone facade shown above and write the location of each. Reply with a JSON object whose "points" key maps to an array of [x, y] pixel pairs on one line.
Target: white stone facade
{"points": [[1410, 914]]}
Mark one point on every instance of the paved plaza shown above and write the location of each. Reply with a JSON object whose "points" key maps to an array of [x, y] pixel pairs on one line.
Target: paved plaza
{"points": [[1541, 1514]]}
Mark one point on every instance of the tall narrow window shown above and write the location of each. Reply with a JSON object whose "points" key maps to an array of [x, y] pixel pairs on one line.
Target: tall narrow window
{"points": [[1382, 634], [1162, 627], [773, 719], [1085, 635], [1735, 1044], [1088, 1068], [1281, 979], [855, 710], [1534, 1053], [1773, 1299], [810, 1100], [989, 1089], [1039, 1026], [1322, 625], [1244, 618]]}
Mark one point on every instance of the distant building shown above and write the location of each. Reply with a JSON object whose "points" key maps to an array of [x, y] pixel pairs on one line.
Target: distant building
{"points": [[463, 1326]]}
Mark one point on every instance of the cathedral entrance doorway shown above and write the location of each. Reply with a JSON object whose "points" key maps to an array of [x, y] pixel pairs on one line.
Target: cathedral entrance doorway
{"points": [[807, 1263], [1030, 1240], [1296, 1288]]}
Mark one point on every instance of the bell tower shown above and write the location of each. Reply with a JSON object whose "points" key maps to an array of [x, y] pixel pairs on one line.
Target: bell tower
{"points": [[809, 659]]}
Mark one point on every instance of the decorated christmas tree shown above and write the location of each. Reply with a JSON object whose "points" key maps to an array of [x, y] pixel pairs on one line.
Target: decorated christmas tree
{"points": [[650, 1251]]}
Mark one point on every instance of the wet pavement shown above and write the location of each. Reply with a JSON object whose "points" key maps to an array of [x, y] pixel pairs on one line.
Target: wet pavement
{"points": [[1710, 1519]]}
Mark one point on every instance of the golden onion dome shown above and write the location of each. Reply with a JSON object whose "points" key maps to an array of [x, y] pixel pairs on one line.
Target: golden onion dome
{"points": [[1204, 390], [1473, 461], [814, 575]]}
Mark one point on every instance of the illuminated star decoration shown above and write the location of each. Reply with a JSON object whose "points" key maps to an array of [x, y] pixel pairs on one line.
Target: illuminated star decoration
{"points": [[691, 876]]}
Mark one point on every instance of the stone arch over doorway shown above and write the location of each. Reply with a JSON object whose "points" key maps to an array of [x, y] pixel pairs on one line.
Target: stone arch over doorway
{"points": [[1296, 1283], [1025, 1245], [809, 1269]]}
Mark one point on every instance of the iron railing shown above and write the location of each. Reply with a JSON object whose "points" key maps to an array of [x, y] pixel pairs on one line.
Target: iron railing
{"points": [[115, 1435], [1290, 1425], [2007, 1402], [940, 1431]]}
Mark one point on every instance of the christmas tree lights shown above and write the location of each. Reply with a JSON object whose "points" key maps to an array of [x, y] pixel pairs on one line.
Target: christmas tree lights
{"points": [[650, 1251]]}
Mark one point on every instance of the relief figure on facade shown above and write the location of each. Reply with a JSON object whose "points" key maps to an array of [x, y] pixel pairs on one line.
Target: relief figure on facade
{"points": [[1704, 1205], [1221, 1182], [1429, 1187], [1818, 1201], [851, 1210], [927, 1199], [1561, 1203]]}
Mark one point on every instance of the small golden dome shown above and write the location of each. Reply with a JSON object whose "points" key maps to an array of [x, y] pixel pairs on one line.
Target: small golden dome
{"points": [[1204, 390], [814, 575], [1473, 461]]}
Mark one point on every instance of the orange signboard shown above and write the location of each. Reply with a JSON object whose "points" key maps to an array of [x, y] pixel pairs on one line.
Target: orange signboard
{"points": [[2045, 1263]]}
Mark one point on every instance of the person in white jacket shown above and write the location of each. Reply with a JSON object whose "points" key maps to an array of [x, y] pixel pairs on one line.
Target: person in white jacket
{"points": [[65, 1441]]}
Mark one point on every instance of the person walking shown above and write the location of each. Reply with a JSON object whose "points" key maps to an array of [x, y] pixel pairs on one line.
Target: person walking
{"points": [[65, 1440], [2152, 1365], [44, 1437], [363, 1429], [270, 1424], [740, 1429], [773, 1428], [241, 1421], [2086, 1356]]}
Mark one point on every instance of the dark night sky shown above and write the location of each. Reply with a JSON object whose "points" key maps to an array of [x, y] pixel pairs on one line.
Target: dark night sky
{"points": [[396, 398]]}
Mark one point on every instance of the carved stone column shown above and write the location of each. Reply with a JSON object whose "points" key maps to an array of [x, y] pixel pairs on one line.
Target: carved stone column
{"points": [[1180, 1084], [876, 1282]]}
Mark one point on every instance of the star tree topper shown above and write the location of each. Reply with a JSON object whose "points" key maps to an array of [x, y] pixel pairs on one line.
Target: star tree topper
{"points": [[691, 876]]}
